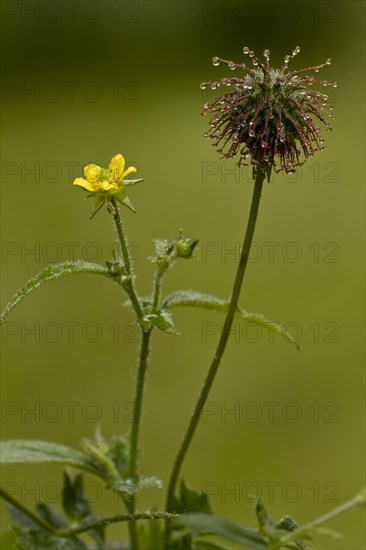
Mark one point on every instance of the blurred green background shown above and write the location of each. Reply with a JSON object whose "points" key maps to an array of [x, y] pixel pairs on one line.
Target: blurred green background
{"points": [[111, 77]]}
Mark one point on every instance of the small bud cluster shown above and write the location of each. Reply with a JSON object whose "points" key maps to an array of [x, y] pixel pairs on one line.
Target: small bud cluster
{"points": [[268, 113], [168, 251]]}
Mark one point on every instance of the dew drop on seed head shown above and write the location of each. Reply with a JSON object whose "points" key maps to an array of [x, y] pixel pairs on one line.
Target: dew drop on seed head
{"points": [[251, 53], [266, 54], [317, 69], [246, 50], [328, 61], [287, 58], [215, 61], [335, 85], [297, 50], [203, 86]]}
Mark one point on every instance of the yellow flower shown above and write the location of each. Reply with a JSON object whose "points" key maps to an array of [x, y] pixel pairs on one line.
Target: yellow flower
{"points": [[98, 180], [108, 183]]}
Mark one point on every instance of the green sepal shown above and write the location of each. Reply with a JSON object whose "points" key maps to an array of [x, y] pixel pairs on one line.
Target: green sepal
{"points": [[120, 194], [132, 182], [127, 202], [99, 200]]}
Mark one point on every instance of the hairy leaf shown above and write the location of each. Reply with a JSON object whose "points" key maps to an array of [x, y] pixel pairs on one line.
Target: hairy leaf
{"points": [[207, 524], [190, 298], [30, 540], [52, 273], [22, 451]]}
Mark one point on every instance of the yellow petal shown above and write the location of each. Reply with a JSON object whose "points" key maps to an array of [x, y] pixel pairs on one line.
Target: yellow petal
{"points": [[85, 184], [92, 172], [116, 166], [106, 186], [130, 170]]}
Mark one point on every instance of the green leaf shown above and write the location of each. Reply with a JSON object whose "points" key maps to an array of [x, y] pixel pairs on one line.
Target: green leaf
{"points": [[190, 298], [21, 451], [78, 508], [207, 524], [162, 320], [51, 515], [208, 545], [30, 540], [52, 273], [190, 501]]}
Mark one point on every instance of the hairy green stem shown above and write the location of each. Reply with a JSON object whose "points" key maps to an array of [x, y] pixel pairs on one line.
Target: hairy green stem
{"points": [[156, 293], [221, 345], [130, 288], [356, 501], [139, 393], [116, 519], [34, 517], [144, 354]]}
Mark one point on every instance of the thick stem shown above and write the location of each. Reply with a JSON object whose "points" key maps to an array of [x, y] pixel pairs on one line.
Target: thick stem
{"points": [[222, 342]]}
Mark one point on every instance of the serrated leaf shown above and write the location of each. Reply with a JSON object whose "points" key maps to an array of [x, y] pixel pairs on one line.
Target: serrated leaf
{"points": [[191, 501], [78, 508], [22, 451], [190, 298], [207, 524], [50, 274], [51, 515], [74, 502]]}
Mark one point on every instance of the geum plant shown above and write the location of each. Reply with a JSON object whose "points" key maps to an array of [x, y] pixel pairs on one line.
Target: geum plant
{"points": [[271, 116]]}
